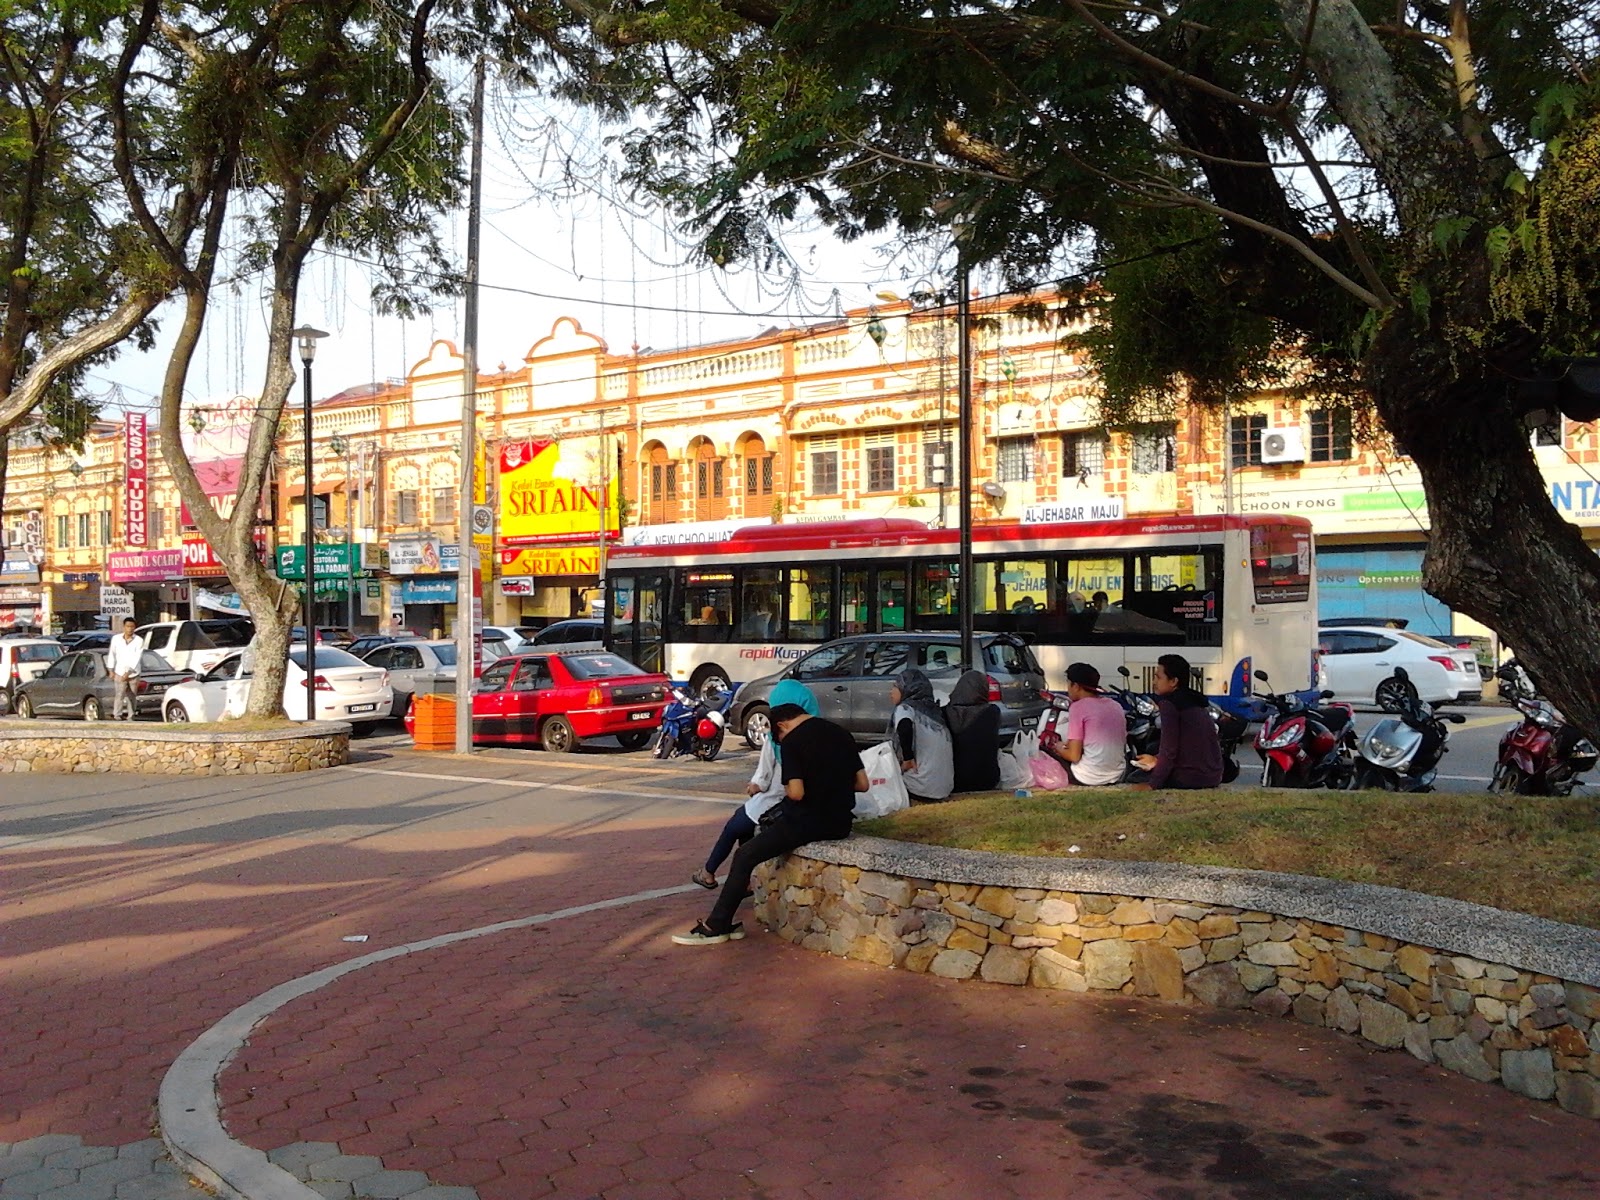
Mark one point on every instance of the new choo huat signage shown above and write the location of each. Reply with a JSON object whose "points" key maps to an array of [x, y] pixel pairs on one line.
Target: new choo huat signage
{"points": [[550, 492]]}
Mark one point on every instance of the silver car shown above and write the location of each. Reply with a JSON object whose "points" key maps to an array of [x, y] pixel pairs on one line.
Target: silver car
{"points": [[851, 677], [415, 668]]}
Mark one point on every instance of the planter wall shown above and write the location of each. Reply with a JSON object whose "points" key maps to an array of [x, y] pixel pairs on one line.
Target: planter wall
{"points": [[67, 747], [1496, 996]]}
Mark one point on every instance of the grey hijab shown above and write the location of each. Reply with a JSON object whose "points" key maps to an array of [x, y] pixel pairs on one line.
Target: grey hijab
{"points": [[917, 692]]}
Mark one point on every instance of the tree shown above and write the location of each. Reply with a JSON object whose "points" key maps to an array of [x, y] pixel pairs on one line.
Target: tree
{"points": [[1394, 203]]}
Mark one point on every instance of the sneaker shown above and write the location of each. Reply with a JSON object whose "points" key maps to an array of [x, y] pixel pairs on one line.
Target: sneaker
{"points": [[701, 935]]}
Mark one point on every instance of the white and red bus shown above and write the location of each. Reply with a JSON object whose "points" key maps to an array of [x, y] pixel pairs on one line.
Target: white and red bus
{"points": [[1230, 594]]}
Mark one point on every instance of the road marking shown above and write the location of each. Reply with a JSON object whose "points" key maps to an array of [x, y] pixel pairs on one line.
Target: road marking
{"points": [[1480, 722], [191, 1110], [533, 785]]}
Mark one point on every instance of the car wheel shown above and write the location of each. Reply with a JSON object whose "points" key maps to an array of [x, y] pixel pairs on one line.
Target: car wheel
{"points": [[709, 680], [25, 708], [757, 726], [91, 709], [1391, 694], [176, 714], [633, 741], [557, 736], [361, 729]]}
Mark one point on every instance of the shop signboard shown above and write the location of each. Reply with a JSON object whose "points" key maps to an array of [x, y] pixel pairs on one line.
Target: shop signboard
{"points": [[33, 537], [116, 603], [18, 597], [687, 533], [371, 598], [200, 561], [1384, 504], [18, 570], [416, 554], [428, 591], [144, 566], [1576, 497], [227, 602], [483, 530], [550, 492], [1087, 506], [336, 560], [567, 560], [136, 482]]}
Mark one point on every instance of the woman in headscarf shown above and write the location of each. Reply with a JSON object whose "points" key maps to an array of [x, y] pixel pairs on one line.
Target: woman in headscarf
{"points": [[921, 738], [974, 733], [765, 788]]}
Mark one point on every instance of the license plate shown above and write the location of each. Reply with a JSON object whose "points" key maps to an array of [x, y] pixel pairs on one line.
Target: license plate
{"points": [[640, 716], [355, 708]]}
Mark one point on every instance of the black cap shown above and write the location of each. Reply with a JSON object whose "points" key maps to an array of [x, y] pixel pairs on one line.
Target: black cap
{"points": [[787, 712], [1082, 674]]}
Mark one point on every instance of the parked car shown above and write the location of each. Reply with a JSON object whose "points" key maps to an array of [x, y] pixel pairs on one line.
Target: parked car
{"points": [[347, 690], [368, 642], [559, 699], [513, 639], [1358, 662], [86, 639], [327, 635], [414, 666], [851, 677], [580, 631], [22, 659], [78, 684], [196, 646]]}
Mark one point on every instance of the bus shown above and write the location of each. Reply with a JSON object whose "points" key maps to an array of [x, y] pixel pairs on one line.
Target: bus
{"points": [[1232, 594]]}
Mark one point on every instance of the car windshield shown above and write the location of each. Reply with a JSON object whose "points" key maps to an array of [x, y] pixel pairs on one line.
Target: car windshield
{"points": [[229, 635], [599, 666], [41, 653], [445, 652], [1421, 639], [327, 656]]}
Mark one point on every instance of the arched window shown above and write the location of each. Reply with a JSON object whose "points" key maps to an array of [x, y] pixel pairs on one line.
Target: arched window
{"points": [[760, 475], [710, 484], [661, 486]]}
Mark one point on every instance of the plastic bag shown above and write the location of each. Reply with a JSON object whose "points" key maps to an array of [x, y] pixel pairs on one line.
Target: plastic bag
{"points": [[1049, 774], [1014, 770], [886, 790]]}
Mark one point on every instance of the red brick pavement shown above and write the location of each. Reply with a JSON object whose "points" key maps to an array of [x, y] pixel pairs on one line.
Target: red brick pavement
{"points": [[590, 1057]]}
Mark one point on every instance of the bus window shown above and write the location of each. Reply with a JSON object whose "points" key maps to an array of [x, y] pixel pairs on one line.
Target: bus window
{"points": [[854, 614], [703, 607], [1176, 598], [935, 594], [1023, 587], [758, 604], [810, 603], [892, 590], [1091, 583], [1280, 564]]}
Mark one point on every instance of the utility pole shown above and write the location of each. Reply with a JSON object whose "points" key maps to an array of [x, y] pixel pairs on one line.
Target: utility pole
{"points": [[964, 431], [466, 592], [605, 477]]}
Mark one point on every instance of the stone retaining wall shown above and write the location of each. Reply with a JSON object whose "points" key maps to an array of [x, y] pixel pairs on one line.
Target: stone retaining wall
{"points": [[67, 747], [1343, 956]]}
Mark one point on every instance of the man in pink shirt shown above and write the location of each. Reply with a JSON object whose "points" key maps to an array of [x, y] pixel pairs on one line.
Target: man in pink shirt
{"points": [[1097, 731]]}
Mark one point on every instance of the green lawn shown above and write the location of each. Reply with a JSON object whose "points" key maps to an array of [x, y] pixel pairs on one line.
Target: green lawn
{"points": [[1532, 854]]}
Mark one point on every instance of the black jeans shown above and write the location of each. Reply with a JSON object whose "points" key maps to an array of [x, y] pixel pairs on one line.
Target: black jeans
{"points": [[788, 832]]}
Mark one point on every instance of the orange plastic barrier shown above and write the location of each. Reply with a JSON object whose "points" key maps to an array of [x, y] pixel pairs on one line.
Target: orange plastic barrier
{"points": [[434, 722]]}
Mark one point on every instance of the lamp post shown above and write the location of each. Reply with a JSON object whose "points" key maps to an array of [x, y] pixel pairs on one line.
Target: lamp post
{"points": [[964, 428], [308, 338]]}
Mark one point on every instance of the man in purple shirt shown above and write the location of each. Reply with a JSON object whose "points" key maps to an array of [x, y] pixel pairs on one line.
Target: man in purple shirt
{"points": [[1190, 756]]}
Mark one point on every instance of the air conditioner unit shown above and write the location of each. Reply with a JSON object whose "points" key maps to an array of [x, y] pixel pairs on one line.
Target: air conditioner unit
{"points": [[1282, 446]]}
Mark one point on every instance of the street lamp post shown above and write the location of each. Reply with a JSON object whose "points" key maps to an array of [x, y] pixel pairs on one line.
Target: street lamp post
{"points": [[964, 431], [308, 338]]}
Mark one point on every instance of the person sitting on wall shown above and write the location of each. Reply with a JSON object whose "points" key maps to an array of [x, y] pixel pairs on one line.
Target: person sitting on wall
{"points": [[974, 722], [1097, 731], [1190, 754]]}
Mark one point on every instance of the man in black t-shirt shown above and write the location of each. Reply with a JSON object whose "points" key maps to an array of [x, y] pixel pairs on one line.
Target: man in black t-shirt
{"points": [[822, 773]]}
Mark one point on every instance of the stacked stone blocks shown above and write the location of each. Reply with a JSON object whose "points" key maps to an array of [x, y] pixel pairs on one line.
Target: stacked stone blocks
{"points": [[62, 748], [1534, 1033]]}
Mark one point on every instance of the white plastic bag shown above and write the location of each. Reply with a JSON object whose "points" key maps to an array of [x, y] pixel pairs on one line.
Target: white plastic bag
{"points": [[1014, 770], [886, 791]]}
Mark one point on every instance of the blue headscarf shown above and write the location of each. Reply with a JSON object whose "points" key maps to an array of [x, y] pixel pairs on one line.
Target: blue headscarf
{"points": [[789, 691]]}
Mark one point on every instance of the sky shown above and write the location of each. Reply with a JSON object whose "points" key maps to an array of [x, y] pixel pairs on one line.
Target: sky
{"points": [[557, 240]]}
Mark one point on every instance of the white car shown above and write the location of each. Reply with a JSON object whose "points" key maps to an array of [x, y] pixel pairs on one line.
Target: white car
{"points": [[22, 659], [347, 690], [415, 667], [1357, 659], [195, 645]]}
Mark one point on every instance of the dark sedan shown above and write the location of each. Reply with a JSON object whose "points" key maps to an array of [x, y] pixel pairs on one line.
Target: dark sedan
{"points": [[79, 685]]}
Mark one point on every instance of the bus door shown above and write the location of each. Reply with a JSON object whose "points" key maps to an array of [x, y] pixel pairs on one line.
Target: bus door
{"points": [[891, 596], [643, 638]]}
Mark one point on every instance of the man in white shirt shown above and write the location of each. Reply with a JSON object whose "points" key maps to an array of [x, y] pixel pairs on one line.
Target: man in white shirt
{"points": [[123, 661]]}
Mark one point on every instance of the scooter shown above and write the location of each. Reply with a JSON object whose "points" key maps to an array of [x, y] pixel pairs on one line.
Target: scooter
{"points": [[694, 724], [1303, 745], [1144, 718], [1230, 732], [1401, 753], [1542, 756]]}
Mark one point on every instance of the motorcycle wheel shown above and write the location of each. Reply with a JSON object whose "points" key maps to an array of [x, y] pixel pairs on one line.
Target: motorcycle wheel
{"points": [[1272, 775], [663, 744], [1230, 769], [709, 750], [1508, 780], [1341, 777]]}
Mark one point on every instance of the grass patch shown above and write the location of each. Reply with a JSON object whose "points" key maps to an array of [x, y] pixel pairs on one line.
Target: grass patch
{"points": [[1533, 854], [251, 725]]}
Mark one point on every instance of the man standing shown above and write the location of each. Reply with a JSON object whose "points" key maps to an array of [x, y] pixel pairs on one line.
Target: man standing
{"points": [[1190, 755], [123, 661], [822, 773], [1097, 731]]}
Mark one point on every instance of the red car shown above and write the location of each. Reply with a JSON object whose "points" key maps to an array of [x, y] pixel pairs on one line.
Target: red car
{"points": [[557, 700]]}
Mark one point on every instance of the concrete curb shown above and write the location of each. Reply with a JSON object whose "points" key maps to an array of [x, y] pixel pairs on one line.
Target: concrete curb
{"points": [[189, 1110], [1568, 952], [132, 731]]}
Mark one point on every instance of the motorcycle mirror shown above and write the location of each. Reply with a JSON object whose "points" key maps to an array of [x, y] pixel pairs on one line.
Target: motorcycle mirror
{"points": [[1400, 673], [1456, 719], [1262, 675], [1124, 672], [1325, 695]]}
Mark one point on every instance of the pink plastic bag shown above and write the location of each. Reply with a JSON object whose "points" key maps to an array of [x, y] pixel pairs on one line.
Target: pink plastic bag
{"points": [[1048, 773]]}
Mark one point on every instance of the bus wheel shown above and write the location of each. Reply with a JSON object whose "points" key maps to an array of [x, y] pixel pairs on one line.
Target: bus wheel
{"points": [[757, 726], [708, 679]]}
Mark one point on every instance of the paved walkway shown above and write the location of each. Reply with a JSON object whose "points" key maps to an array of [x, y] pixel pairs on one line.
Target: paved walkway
{"points": [[588, 1057]]}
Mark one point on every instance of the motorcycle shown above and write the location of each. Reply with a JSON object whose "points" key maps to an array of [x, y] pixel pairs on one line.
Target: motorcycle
{"points": [[1401, 753], [1542, 756], [1230, 732], [1305, 745], [694, 724], [1515, 682]]}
